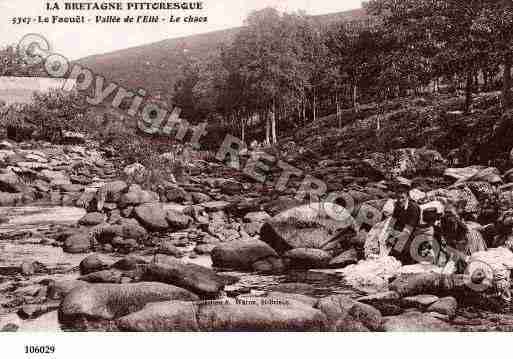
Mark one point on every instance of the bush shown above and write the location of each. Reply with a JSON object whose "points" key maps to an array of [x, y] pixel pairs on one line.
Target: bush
{"points": [[45, 118]]}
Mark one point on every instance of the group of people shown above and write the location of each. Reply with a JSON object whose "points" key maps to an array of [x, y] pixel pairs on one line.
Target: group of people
{"points": [[445, 235]]}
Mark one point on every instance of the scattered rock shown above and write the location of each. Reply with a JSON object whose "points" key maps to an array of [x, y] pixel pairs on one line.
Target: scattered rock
{"points": [[177, 220], [92, 219], [93, 263], [152, 217], [241, 255], [78, 243], [198, 279], [344, 259], [307, 258], [446, 306]]}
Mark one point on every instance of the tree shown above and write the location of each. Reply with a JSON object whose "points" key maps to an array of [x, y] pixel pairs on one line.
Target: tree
{"points": [[495, 25]]}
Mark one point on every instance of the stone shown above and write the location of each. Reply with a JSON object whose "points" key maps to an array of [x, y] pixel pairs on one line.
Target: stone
{"points": [[103, 276], [204, 249], [241, 255], [10, 199], [177, 220], [229, 186], [256, 217], [305, 299], [420, 301], [137, 197], [55, 177], [169, 249], [75, 138], [177, 194], [78, 243], [92, 219], [59, 289], [136, 173], [111, 301], [199, 197], [415, 322], [306, 258], [126, 228], [152, 217], [337, 307], [407, 162], [161, 317], [93, 263], [289, 316], [10, 182], [269, 265], [308, 226], [215, 206], [344, 259], [112, 191], [130, 263], [29, 268], [198, 279], [33, 311], [68, 187], [446, 306], [372, 275]]}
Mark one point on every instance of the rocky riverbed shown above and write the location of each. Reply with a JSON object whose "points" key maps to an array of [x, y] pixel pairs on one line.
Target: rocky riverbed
{"points": [[84, 247]]}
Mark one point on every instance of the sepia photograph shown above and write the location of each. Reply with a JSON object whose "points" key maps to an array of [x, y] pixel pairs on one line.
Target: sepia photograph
{"points": [[255, 166]]}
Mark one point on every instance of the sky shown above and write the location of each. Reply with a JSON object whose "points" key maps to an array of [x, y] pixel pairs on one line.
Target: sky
{"points": [[79, 40]]}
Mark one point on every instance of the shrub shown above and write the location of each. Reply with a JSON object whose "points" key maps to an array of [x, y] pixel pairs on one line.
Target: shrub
{"points": [[46, 117]]}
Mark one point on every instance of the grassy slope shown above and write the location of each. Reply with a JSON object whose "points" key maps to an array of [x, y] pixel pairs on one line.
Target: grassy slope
{"points": [[155, 66]]}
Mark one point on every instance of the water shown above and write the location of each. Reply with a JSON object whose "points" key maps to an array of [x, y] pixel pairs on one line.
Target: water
{"points": [[14, 250]]}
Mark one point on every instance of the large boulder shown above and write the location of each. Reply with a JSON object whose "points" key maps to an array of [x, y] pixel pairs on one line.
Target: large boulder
{"points": [[314, 225], [265, 314], [97, 302], [258, 314], [152, 216], [241, 255], [416, 322], [198, 279]]}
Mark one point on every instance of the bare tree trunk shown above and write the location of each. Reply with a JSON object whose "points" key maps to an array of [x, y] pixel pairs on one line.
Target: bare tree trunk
{"points": [[273, 124], [506, 89], [468, 92], [339, 115], [267, 130], [355, 97], [314, 106], [243, 130]]}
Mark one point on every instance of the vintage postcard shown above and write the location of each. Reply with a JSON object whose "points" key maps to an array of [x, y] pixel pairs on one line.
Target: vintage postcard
{"points": [[255, 166]]}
